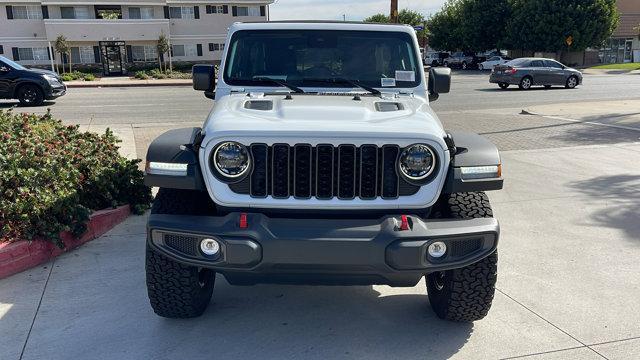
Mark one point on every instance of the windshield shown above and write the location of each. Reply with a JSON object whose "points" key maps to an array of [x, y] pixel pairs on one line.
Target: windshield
{"points": [[317, 58], [12, 64]]}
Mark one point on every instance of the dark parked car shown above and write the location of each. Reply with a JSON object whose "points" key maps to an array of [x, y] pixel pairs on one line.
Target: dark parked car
{"points": [[31, 86], [460, 59], [528, 72], [436, 59]]}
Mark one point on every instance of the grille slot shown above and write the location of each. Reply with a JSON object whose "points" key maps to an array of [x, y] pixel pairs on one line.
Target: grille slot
{"points": [[324, 178], [280, 171], [325, 172], [260, 154], [346, 172], [368, 171], [390, 188], [187, 245], [302, 171]]}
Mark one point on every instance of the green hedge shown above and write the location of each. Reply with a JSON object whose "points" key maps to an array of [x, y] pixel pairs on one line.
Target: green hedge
{"points": [[52, 176]]}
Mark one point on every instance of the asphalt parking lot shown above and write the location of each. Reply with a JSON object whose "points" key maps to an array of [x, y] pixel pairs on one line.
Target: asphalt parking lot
{"points": [[569, 275]]}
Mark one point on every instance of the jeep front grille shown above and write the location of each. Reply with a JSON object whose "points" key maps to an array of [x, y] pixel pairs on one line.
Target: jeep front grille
{"points": [[325, 172]]}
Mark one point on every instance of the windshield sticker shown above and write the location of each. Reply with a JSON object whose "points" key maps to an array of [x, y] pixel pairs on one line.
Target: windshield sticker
{"points": [[388, 82], [405, 76]]}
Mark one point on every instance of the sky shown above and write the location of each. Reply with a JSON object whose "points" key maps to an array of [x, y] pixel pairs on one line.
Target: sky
{"points": [[355, 10]]}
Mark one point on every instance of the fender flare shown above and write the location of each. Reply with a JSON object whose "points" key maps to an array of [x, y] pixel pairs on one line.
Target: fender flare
{"points": [[472, 150], [178, 146]]}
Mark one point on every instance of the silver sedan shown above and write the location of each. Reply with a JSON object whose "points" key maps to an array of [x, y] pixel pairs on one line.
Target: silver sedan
{"points": [[528, 72]]}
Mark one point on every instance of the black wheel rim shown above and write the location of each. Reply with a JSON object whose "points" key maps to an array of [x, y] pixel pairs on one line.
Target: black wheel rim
{"points": [[29, 95]]}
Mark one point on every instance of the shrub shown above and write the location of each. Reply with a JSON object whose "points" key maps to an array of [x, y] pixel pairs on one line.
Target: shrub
{"points": [[52, 176], [89, 77], [66, 77], [142, 75]]}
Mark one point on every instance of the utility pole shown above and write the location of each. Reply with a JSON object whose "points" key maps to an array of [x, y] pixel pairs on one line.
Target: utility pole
{"points": [[394, 12]]}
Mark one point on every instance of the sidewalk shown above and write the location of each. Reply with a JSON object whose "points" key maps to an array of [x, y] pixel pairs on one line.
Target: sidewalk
{"points": [[608, 72], [123, 81], [623, 114], [567, 288]]}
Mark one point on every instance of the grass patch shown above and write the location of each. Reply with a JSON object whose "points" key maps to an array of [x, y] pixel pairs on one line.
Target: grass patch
{"points": [[627, 66]]}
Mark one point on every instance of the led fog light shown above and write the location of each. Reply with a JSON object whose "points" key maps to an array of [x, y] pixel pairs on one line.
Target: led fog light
{"points": [[437, 249], [209, 247]]}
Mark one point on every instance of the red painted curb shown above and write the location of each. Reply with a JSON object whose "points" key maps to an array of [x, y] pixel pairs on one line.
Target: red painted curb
{"points": [[22, 255]]}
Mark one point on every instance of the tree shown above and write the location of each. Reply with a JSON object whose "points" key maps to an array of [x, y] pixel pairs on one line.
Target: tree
{"points": [[545, 25], [377, 18], [61, 45], [405, 16], [485, 23], [163, 48], [445, 28]]}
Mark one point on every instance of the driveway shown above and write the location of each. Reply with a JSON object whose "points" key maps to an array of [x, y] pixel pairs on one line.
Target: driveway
{"points": [[568, 288]]}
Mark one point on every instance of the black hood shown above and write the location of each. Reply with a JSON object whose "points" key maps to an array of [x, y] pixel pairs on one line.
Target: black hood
{"points": [[43, 72]]}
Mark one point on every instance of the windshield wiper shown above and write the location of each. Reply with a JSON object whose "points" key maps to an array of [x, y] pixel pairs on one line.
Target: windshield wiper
{"points": [[354, 83], [293, 88]]}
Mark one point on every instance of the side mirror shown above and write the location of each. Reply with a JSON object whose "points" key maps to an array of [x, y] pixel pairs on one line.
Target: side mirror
{"points": [[203, 77], [439, 82]]}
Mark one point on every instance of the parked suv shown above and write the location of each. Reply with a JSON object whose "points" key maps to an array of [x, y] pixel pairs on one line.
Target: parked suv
{"points": [[462, 60], [30, 86], [322, 163], [436, 59]]}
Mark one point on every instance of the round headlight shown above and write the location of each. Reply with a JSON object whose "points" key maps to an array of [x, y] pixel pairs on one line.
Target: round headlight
{"points": [[231, 159], [417, 162]]}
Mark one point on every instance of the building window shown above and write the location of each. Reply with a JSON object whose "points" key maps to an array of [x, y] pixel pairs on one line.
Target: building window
{"points": [[74, 12], [246, 11], [141, 13], [146, 53], [216, 47], [82, 55], [33, 54], [29, 12], [216, 9], [182, 12], [189, 50]]}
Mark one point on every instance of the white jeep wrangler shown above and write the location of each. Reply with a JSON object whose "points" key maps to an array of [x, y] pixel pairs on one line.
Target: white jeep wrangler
{"points": [[322, 163]]}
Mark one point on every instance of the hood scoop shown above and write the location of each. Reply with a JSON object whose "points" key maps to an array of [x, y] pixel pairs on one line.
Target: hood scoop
{"points": [[261, 105], [389, 106]]}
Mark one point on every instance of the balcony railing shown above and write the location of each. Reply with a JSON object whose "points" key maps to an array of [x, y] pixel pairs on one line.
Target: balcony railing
{"points": [[102, 29]]}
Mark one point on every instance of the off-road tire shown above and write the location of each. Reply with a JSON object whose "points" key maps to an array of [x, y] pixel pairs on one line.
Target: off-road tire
{"points": [[464, 294], [176, 290], [30, 95]]}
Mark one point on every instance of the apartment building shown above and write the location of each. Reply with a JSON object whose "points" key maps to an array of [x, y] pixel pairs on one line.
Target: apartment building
{"points": [[624, 45], [116, 35]]}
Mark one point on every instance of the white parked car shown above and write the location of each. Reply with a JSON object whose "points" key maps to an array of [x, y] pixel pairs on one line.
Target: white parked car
{"points": [[322, 162], [493, 62]]}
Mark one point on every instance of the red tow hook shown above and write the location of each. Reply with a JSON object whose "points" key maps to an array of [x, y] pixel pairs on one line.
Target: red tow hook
{"points": [[404, 223], [243, 223]]}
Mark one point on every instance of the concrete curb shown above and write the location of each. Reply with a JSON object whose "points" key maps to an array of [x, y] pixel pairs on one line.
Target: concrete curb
{"points": [[22, 255], [132, 83]]}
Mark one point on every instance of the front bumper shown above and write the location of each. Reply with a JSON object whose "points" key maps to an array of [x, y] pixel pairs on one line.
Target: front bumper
{"points": [[322, 251], [55, 92]]}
